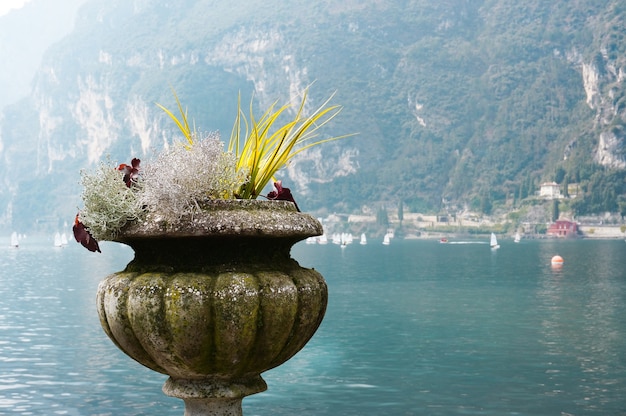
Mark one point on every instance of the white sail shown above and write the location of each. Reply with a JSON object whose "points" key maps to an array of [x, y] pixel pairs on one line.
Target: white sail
{"points": [[494, 242], [386, 239], [57, 240], [363, 240], [14, 240], [517, 238]]}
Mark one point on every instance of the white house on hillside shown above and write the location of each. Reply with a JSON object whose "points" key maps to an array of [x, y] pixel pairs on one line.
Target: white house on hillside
{"points": [[550, 190]]}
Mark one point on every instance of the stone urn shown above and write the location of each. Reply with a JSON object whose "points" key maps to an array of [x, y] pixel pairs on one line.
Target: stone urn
{"points": [[215, 300]]}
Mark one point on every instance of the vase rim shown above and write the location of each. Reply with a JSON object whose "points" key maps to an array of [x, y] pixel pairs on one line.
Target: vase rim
{"points": [[229, 218]]}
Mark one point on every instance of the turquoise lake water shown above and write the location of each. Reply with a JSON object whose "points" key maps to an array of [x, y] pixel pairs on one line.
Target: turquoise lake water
{"points": [[413, 328]]}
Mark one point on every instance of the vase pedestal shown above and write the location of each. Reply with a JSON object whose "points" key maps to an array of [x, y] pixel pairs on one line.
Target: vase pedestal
{"points": [[213, 407], [213, 397]]}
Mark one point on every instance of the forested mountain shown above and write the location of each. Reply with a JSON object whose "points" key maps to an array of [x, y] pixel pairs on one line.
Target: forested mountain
{"points": [[474, 103]]}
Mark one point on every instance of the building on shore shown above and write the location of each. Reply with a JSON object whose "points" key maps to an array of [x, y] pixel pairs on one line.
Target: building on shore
{"points": [[563, 229]]}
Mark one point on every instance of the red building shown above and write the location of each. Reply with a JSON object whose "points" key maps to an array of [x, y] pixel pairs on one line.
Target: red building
{"points": [[563, 229]]}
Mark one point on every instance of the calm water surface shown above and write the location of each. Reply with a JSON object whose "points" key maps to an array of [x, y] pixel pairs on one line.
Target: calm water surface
{"points": [[413, 328]]}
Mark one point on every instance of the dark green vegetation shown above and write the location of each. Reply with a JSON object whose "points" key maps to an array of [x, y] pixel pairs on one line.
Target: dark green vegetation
{"points": [[472, 102]]}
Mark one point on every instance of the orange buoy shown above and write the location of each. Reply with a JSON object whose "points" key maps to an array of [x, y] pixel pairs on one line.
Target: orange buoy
{"points": [[557, 261]]}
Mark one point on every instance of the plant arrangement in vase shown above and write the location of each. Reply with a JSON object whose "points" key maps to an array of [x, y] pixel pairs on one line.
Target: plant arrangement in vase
{"points": [[202, 168]]}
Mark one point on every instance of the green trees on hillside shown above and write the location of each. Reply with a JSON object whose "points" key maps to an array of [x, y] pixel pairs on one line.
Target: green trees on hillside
{"points": [[602, 193]]}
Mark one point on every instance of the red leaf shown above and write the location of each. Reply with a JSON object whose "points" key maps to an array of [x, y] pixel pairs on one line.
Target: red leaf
{"points": [[131, 172], [282, 194], [84, 237]]}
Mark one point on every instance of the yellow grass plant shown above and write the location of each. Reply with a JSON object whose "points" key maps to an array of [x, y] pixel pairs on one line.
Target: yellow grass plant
{"points": [[264, 146], [182, 122]]}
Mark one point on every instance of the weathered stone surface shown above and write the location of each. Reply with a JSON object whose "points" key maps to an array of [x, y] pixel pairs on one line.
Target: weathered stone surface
{"points": [[215, 301], [242, 217], [198, 325]]}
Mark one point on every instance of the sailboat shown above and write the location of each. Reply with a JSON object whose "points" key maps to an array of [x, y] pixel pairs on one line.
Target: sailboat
{"points": [[363, 240], [386, 239], [14, 240], [57, 240], [517, 237], [494, 242]]}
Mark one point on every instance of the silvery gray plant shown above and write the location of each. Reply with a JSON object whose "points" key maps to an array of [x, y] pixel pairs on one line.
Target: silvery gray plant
{"points": [[172, 186], [182, 176]]}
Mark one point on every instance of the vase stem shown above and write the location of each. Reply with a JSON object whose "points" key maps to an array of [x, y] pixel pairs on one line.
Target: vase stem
{"points": [[213, 407], [213, 397]]}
